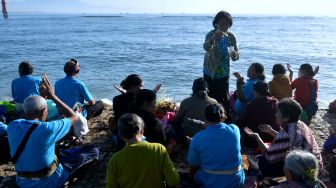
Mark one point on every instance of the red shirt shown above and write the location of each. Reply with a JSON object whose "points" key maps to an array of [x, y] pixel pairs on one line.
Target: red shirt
{"points": [[303, 90]]}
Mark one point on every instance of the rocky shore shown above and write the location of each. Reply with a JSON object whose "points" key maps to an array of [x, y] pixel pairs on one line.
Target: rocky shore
{"points": [[100, 135]]}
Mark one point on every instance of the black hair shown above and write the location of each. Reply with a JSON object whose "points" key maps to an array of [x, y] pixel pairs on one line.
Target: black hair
{"points": [[214, 113], [200, 87], [259, 68], [290, 108], [129, 125], [220, 15], [262, 88], [70, 67], [131, 80], [144, 95], [25, 68], [278, 69], [307, 69]]}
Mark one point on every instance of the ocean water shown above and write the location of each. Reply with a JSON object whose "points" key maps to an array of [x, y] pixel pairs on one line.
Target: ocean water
{"points": [[161, 48]]}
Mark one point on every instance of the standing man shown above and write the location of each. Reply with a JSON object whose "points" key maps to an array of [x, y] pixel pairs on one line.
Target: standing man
{"points": [[140, 164], [34, 158], [71, 90]]}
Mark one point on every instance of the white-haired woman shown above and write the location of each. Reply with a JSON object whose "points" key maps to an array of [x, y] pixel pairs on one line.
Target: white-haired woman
{"points": [[301, 170]]}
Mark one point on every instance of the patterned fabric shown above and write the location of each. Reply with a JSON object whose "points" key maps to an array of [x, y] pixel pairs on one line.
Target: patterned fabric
{"points": [[216, 59], [298, 136]]}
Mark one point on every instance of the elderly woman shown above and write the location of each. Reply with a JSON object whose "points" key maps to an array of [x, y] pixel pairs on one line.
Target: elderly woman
{"points": [[220, 46], [301, 169], [193, 108], [261, 110], [216, 151], [293, 134]]}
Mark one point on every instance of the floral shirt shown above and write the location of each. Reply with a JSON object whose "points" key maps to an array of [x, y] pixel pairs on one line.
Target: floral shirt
{"points": [[216, 59]]}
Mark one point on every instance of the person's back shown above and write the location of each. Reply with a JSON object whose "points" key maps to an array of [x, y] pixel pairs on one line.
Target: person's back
{"points": [[216, 150], [153, 127], [71, 90], [193, 108], [26, 85], [32, 141], [141, 165], [259, 111], [280, 87], [39, 150]]}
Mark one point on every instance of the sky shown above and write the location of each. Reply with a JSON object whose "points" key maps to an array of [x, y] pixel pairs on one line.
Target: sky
{"points": [[278, 7]]}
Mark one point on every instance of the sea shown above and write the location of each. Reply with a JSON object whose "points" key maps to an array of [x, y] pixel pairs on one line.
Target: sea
{"points": [[161, 48]]}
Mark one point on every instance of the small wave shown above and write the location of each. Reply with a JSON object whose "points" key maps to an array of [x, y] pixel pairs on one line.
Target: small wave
{"points": [[106, 16]]}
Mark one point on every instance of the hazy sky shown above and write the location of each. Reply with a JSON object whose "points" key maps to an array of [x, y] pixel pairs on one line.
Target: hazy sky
{"points": [[287, 7]]}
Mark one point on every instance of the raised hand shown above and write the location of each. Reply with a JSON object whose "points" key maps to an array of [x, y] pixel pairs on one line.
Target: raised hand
{"points": [[250, 133], [317, 68], [289, 67], [46, 89], [265, 128], [157, 87]]}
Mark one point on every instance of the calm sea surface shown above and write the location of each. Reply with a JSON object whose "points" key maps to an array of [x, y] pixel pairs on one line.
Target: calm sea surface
{"points": [[165, 49]]}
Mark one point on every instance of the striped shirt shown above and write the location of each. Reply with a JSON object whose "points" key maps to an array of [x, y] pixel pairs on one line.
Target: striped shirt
{"points": [[298, 136]]}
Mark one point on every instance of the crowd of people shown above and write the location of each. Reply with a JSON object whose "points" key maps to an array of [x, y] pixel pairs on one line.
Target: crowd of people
{"points": [[212, 124]]}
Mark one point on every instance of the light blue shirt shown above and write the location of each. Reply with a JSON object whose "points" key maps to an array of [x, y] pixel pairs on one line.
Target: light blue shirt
{"points": [[217, 148], [239, 107], [3, 129], [71, 90], [39, 151], [24, 87]]}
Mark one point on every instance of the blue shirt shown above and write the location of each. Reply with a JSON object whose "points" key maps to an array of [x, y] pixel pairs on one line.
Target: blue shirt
{"points": [[217, 148], [3, 129], [24, 87], [239, 107], [71, 90], [39, 151]]}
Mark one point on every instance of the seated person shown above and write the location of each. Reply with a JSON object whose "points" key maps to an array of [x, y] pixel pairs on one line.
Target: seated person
{"points": [[193, 108], [26, 85], [280, 86], [261, 110], [145, 105], [306, 87], [71, 90], [36, 164], [294, 134], [140, 164], [301, 170], [216, 151], [330, 143], [245, 90], [124, 103]]}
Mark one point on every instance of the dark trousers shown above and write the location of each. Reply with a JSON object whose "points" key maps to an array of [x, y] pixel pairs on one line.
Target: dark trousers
{"points": [[268, 169], [219, 90], [94, 110]]}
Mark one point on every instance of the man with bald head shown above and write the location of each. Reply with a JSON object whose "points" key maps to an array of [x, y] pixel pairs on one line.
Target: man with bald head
{"points": [[71, 90], [26, 85], [35, 161]]}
